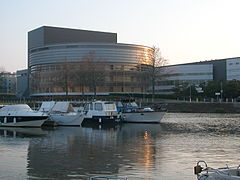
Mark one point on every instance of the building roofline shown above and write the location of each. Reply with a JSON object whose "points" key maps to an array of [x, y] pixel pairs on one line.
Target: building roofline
{"points": [[202, 62], [75, 29], [93, 43]]}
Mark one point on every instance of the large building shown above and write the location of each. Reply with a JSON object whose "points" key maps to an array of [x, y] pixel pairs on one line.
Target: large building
{"points": [[75, 62]]}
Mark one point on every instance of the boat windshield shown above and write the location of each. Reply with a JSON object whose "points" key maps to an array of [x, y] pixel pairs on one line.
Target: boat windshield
{"points": [[86, 107]]}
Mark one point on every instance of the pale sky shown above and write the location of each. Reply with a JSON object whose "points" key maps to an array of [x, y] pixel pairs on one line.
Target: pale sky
{"points": [[184, 30]]}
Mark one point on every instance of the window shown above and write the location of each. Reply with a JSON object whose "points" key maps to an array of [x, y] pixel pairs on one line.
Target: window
{"points": [[91, 106], [98, 107]]}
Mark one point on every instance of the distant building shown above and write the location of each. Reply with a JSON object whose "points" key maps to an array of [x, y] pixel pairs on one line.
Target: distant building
{"points": [[233, 69], [195, 73], [22, 83], [171, 76], [65, 61], [7, 83]]}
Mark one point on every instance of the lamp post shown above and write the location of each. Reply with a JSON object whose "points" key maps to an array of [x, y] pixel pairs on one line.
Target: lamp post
{"points": [[190, 95], [221, 91]]}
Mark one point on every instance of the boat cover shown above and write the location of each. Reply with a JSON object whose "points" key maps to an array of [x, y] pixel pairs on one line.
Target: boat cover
{"points": [[62, 107], [47, 106]]}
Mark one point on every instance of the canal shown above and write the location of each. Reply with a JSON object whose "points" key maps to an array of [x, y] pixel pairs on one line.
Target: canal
{"points": [[168, 150]]}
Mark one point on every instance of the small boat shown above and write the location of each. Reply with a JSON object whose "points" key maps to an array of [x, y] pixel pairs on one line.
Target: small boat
{"points": [[21, 115], [62, 113], [208, 173], [132, 113], [101, 112]]}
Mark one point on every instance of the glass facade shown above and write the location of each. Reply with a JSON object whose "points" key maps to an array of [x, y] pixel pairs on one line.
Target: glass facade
{"points": [[88, 68]]}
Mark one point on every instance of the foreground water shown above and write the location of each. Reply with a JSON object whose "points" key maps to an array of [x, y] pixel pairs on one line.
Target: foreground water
{"points": [[168, 150]]}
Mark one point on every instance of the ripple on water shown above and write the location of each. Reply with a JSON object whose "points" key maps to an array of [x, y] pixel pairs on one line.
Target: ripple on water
{"points": [[168, 150]]}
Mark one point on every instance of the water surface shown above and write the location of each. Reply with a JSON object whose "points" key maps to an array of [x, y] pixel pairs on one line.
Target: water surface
{"points": [[168, 150]]}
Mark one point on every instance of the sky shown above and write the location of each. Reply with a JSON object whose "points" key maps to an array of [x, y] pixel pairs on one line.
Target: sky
{"points": [[184, 30]]}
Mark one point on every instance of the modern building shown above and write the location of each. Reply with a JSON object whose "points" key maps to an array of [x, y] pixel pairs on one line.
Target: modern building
{"points": [[65, 61], [220, 70], [176, 75], [22, 83], [7, 83], [233, 69]]}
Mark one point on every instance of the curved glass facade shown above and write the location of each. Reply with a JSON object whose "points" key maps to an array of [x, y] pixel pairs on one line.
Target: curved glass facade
{"points": [[88, 68]]}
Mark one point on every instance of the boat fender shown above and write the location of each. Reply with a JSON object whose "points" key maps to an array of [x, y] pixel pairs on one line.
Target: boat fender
{"points": [[100, 120], [197, 169]]}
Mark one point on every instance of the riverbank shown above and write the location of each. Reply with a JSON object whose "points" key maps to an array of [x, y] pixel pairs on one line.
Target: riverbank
{"points": [[170, 106], [198, 107]]}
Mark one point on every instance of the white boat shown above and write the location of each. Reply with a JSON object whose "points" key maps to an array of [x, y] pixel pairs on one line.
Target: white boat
{"points": [[100, 112], [207, 173], [132, 113], [21, 115], [62, 113]]}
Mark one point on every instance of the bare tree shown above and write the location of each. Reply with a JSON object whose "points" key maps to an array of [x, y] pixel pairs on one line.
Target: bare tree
{"points": [[66, 76], [94, 73], [157, 61], [2, 71]]}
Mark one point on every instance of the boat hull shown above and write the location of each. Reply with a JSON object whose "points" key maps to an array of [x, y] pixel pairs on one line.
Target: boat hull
{"points": [[33, 123], [101, 120], [143, 117], [218, 176], [67, 120]]}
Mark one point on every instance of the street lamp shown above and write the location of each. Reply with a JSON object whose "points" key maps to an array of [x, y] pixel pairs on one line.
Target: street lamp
{"points": [[221, 91], [190, 96]]}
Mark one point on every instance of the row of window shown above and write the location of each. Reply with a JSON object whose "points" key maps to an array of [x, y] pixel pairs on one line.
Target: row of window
{"points": [[177, 82], [237, 63], [83, 66], [100, 46], [87, 89]]}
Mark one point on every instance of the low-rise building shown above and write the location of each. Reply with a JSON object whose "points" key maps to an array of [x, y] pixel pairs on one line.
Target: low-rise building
{"points": [[171, 76], [220, 70], [22, 83], [7, 83]]}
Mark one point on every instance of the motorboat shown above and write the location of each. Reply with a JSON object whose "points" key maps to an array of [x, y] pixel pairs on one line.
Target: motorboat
{"points": [[21, 115], [132, 113], [208, 173], [101, 112], [62, 113]]}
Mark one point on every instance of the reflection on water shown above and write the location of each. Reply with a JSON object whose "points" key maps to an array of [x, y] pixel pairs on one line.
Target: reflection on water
{"points": [[168, 150]]}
